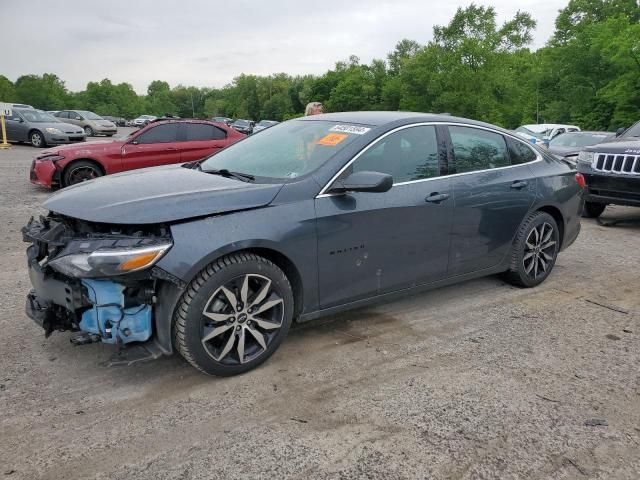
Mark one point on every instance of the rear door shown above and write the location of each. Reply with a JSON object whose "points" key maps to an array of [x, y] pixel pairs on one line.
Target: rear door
{"points": [[372, 243], [491, 197], [201, 140], [158, 145]]}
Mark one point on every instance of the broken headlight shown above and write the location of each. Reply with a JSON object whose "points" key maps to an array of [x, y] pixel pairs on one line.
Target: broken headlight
{"points": [[109, 262]]}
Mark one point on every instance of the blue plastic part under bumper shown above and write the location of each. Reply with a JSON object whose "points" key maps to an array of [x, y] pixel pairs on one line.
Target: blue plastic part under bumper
{"points": [[108, 317]]}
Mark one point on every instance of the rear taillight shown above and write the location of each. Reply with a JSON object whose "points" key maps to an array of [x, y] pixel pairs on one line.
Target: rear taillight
{"points": [[580, 180]]}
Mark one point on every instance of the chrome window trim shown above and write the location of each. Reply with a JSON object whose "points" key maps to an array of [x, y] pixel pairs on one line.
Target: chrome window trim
{"points": [[539, 158]]}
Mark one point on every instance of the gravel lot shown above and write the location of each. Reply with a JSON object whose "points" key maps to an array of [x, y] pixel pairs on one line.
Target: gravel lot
{"points": [[478, 380]]}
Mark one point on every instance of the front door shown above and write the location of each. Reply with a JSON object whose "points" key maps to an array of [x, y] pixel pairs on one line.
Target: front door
{"points": [[372, 243], [157, 145], [492, 195]]}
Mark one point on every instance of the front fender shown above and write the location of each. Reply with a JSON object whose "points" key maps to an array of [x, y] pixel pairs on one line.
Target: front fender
{"points": [[287, 229]]}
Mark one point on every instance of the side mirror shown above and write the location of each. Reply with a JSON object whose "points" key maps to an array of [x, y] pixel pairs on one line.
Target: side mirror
{"points": [[620, 131], [364, 182]]}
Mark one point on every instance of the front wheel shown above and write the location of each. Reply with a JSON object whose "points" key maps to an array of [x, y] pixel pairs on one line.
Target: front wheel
{"points": [[88, 131], [233, 315], [534, 251], [37, 139], [80, 171], [593, 210]]}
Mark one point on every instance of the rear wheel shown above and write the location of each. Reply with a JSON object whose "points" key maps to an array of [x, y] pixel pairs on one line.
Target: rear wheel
{"points": [[593, 210], [80, 171], [534, 250], [37, 139], [233, 315]]}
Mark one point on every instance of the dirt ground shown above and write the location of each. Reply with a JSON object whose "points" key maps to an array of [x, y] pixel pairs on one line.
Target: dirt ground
{"points": [[477, 380]]}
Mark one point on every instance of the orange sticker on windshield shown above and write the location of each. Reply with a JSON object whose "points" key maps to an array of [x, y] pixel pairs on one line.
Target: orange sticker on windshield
{"points": [[332, 139]]}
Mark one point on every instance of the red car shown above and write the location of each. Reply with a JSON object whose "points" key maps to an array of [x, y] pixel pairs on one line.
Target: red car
{"points": [[159, 143]]}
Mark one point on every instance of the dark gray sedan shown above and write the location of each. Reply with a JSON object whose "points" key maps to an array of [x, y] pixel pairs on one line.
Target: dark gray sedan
{"points": [[40, 128], [316, 215]]}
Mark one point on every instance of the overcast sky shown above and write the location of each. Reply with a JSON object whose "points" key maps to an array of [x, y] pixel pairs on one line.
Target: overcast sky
{"points": [[207, 43]]}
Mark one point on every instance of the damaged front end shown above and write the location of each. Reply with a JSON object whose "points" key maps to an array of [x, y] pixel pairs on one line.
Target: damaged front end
{"points": [[97, 279]]}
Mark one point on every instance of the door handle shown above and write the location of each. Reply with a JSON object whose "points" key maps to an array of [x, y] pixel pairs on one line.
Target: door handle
{"points": [[170, 149], [518, 184], [436, 197]]}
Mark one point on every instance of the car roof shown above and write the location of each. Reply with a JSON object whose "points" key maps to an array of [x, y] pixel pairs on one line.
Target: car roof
{"points": [[541, 127], [379, 118], [591, 132]]}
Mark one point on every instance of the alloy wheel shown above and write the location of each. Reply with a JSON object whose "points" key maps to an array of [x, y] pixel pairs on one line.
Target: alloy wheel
{"points": [[241, 319], [82, 174], [36, 139], [539, 250]]}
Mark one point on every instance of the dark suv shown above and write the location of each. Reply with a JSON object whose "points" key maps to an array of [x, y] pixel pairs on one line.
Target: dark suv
{"points": [[612, 172]]}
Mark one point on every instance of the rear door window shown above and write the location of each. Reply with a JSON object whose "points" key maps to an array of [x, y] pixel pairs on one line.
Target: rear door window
{"points": [[476, 149], [196, 132], [166, 133], [62, 114]]}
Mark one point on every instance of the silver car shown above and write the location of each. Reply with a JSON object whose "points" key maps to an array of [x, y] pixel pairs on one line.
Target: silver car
{"points": [[91, 123], [40, 128]]}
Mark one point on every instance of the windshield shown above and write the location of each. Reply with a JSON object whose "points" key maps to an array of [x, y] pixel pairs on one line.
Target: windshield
{"points": [[634, 131], [526, 131], [37, 116], [90, 115], [266, 123], [578, 139], [287, 150], [241, 122]]}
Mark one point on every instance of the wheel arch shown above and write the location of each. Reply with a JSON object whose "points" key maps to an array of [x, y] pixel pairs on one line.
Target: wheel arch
{"points": [[76, 160], [557, 215], [171, 294]]}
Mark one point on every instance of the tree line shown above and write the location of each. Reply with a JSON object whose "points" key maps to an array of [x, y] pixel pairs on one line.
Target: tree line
{"points": [[587, 74]]}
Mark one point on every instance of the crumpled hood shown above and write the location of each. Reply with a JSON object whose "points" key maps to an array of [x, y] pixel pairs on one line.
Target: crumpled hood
{"points": [[158, 195]]}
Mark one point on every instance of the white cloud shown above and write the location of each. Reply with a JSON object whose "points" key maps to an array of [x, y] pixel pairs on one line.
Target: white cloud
{"points": [[206, 43]]}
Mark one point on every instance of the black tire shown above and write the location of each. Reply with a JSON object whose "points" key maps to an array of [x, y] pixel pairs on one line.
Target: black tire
{"points": [[530, 266], [205, 295], [80, 171], [593, 210], [88, 131], [36, 138]]}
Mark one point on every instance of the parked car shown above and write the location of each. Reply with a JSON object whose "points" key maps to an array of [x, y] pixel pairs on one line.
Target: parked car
{"points": [[243, 126], [612, 174], [569, 145], [118, 121], [91, 123], [40, 129], [311, 217], [143, 120], [263, 124], [226, 120], [161, 143], [542, 134]]}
